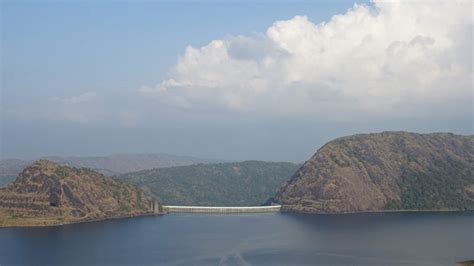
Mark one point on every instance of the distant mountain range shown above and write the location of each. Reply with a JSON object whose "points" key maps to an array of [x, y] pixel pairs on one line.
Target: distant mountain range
{"points": [[246, 183], [108, 165]]}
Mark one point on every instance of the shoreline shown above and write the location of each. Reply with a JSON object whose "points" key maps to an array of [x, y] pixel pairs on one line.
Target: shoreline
{"points": [[204, 212], [83, 221], [376, 211]]}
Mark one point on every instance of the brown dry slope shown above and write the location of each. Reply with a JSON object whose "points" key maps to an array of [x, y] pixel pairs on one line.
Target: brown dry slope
{"points": [[47, 193], [385, 171]]}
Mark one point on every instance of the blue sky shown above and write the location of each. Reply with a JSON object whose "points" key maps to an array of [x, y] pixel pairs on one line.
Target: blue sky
{"points": [[87, 78], [63, 48]]}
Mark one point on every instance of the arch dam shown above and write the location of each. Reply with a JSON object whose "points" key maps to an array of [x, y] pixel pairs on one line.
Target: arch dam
{"points": [[205, 209]]}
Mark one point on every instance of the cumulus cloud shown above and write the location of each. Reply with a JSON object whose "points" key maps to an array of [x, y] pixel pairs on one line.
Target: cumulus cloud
{"points": [[389, 58]]}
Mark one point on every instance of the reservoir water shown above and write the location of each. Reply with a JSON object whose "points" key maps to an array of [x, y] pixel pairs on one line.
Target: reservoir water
{"points": [[248, 239]]}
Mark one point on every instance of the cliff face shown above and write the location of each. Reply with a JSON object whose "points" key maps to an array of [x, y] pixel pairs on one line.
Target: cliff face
{"points": [[47, 193], [390, 170]]}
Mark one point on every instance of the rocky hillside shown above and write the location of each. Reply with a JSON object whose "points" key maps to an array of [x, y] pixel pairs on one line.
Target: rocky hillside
{"points": [[47, 193], [385, 171], [224, 184]]}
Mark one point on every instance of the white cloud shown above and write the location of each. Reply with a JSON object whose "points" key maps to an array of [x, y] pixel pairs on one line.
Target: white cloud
{"points": [[84, 97], [392, 58]]}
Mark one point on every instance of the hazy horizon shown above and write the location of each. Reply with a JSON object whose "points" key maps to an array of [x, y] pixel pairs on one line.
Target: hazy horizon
{"points": [[106, 154]]}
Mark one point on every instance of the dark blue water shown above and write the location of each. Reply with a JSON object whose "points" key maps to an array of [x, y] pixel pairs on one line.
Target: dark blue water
{"points": [[249, 239]]}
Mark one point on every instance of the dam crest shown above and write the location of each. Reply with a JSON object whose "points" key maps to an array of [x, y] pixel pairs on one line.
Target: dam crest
{"points": [[209, 209]]}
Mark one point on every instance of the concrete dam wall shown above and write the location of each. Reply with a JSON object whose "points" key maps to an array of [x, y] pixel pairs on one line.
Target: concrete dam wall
{"points": [[203, 209]]}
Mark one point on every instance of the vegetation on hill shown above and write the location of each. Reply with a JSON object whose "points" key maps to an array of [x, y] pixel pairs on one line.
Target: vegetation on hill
{"points": [[385, 171], [47, 193], [445, 184], [224, 184]]}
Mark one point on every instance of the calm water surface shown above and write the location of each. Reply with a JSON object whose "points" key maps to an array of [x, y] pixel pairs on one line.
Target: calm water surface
{"points": [[249, 239]]}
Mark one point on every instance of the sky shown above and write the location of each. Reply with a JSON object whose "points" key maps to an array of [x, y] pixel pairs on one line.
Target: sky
{"points": [[238, 80]]}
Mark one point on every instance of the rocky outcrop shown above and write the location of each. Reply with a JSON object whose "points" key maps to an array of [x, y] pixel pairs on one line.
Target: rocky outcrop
{"points": [[47, 193], [385, 171]]}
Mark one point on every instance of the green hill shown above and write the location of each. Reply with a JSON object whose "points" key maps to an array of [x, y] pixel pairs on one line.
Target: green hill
{"points": [[223, 184], [385, 171]]}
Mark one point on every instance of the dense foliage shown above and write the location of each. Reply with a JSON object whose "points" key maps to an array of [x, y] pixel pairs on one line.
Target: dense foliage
{"points": [[223, 184], [443, 185]]}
